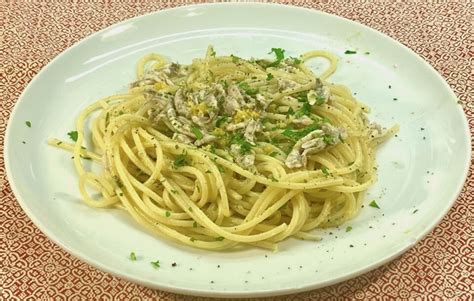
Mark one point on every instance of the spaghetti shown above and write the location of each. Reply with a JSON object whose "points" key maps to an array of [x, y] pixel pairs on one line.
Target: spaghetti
{"points": [[227, 152]]}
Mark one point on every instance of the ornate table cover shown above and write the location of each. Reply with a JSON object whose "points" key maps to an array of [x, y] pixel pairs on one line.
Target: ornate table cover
{"points": [[31, 266]]}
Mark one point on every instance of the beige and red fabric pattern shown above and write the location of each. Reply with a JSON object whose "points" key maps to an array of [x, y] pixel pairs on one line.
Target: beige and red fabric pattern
{"points": [[441, 266]]}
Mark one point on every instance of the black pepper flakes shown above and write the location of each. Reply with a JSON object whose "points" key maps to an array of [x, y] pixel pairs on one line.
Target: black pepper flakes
{"points": [[351, 246], [173, 264]]}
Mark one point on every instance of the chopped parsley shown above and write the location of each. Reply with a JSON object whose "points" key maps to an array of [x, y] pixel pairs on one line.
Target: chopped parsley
{"points": [[240, 140], [250, 91], [374, 204], [221, 169], [73, 135], [320, 100], [415, 211], [225, 84], [213, 52], [298, 134], [28, 123], [349, 228], [197, 132], [220, 238], [328, 139], [168, 214], [235, 59], [221, 120], [305, 110], [350, 52], [133, 257], [296, 61], [181, 160], [367, 53], [269, 76], [325, 170], [302, 97], [155, 264], [280, 55], [290, 111]]}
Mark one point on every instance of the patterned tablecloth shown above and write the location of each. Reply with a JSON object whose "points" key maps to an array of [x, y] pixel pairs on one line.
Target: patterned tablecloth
{"points": [[32, 34]]}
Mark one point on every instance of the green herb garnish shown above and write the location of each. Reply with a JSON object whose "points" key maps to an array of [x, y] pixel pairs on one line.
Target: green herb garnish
{"points": [[220, 120], [168, 214], [197, 132], [350, 52], [325, 170], [328, 139], [73, 135], [28, 123], [250, 91], [269, 76], [349, 228], [155, 264], [320, 100], [305, 110], [280, 55], [240, 140], [220, 238], [220, 168], [181, 160], [374, 204], [296, 135], [133, 257], [296, 61], [235, 59]]}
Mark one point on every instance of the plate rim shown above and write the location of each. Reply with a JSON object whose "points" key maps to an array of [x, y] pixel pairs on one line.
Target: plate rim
{"points": [[216, 293]]}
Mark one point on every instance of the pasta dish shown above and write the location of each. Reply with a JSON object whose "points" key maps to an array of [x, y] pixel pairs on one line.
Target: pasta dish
{"points": [[227, 152]]}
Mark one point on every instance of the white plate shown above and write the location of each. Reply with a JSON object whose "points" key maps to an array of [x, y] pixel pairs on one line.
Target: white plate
{"points": [[421, 170]]}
